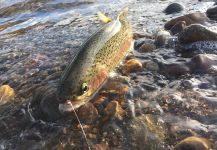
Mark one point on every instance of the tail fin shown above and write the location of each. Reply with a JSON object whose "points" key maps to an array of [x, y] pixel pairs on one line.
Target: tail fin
{"points": [[124, 12]]}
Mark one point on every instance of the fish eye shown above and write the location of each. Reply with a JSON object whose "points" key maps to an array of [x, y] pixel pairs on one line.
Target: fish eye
{"points": [[84, 88]]}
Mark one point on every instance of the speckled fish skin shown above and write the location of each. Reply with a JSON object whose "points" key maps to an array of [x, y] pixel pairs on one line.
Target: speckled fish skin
{"points": [[99, 55]]}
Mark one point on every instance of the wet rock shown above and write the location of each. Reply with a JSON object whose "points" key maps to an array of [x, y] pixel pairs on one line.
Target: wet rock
{"points": [[178, 27], [6, 94], [212, 13], [114, 110], [147, 47], [31, 135], [196, 33], [130, 66], [161, 38], [101, 146], [88, 113], [174, 8], [45, 105], [175, 69], [29, 144], [193, 18], [142, 132], [137, 36], [200, 63], [100, 100], [193, 143], [152, 66]]}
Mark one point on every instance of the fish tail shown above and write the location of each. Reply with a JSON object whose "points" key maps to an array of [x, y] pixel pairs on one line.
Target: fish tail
{"points": [[124, 12]]}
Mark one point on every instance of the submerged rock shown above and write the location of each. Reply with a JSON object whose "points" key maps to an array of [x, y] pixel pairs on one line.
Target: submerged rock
{"points": [[101, 146], [200, 63], [131, 65], [87, 113], [178, 27], [44, 104], [193, 143], [195, 33], [193, 18], [174, 8], [6, 94], [175, 69], [114, 110], [162, 38], [147, 46], [143, 132]]}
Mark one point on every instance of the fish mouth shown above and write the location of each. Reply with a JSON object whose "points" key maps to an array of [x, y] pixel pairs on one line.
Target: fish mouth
{"points": [[71, 105]]}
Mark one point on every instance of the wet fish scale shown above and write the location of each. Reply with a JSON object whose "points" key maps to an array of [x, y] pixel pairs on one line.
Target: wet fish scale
{"points": [[100, 54]]}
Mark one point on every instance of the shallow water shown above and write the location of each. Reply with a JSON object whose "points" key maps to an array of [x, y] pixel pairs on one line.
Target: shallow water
{"points": [[37, 38]]}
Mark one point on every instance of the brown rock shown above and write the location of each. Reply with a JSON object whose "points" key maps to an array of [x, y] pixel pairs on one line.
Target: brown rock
{"points": [[175, 70], [6, 94], [193, 18], [137, 36], [200, 63], [193, 143], [178, 27], [113, 109], [87, 113], [150, 65], [101, 146], [99, 100], [196, 33], [147, 47], [131, 65]]}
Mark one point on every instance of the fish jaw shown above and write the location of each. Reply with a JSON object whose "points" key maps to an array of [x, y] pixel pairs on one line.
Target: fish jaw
{"points": [[95, 85]]}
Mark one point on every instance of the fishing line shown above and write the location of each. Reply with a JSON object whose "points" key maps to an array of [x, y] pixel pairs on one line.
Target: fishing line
{"points": [[82, 129]]}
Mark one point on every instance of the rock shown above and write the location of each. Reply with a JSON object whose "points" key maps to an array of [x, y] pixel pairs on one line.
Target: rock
{"points": [[137, 36], [161, 38], [6, 94], [175, 69], [88, 113], [44, 104], [147, 47], [101, 146], [212, 13], [114, 110], [200, 63], [199, 47], [193, 18], [193, 143], [130, 66], [99, 101], [151, 66], [142, 132], [174, 8], [195, 33], [178, 27], [119, 84]]}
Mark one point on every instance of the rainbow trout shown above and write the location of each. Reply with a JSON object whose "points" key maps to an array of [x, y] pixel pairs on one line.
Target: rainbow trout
{"points": [[98, 57]]}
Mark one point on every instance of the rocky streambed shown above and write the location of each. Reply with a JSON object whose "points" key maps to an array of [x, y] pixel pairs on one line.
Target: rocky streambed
{"points": [[163, 96]]}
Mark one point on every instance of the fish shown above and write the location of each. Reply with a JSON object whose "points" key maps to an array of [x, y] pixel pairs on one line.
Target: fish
{"points": [[103, 17], [102, 52]]}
